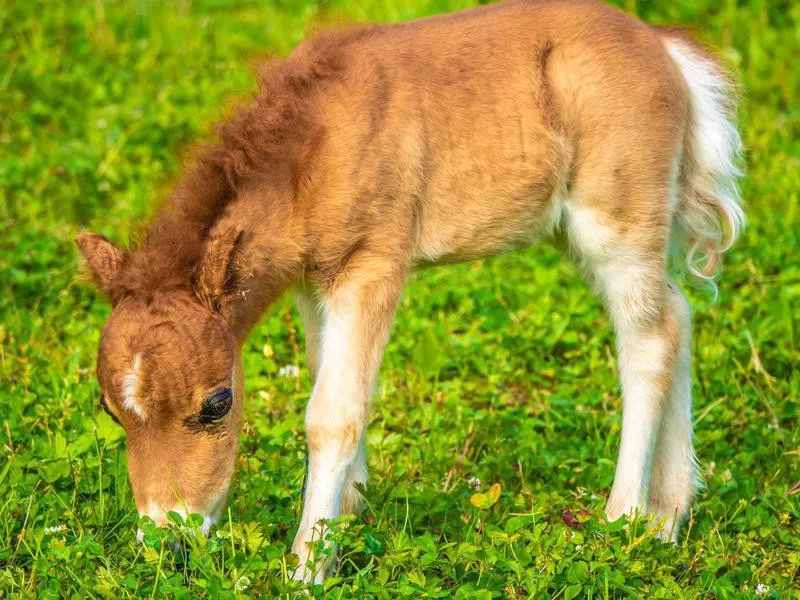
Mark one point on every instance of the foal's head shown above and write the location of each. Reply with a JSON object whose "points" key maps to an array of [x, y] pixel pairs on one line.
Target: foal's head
{"points": [[170, 374]]}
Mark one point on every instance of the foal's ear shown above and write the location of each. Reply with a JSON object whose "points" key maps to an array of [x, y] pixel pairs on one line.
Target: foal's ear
{"points": [[219, 271], [102, 257]]}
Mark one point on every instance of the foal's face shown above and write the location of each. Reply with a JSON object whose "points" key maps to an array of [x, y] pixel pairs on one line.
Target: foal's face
{"points": [[170, 374]]}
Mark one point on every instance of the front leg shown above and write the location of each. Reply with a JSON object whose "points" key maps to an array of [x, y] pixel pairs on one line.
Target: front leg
{"points": [[310, 309], [311, 314], [357, 312]]}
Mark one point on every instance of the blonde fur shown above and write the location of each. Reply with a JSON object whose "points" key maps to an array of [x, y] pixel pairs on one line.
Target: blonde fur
{"points": [[710, 215], [373, 151]]}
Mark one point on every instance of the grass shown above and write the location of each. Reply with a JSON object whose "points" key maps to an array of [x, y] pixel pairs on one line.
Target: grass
{"points": [[500, 370]]}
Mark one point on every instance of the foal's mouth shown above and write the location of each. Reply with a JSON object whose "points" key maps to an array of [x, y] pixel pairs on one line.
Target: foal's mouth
{"points": [[158, 514]]}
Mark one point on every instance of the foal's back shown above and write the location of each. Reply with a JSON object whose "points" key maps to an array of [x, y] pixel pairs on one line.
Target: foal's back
{"points": [[463, 135]]}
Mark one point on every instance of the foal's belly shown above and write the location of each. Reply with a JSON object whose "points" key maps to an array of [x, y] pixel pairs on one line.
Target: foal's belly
{"points": [[495, 172], [480, 212]]}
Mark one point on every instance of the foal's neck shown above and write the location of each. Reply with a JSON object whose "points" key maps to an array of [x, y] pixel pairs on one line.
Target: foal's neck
{"points": [[272, 252], [248, 181]]}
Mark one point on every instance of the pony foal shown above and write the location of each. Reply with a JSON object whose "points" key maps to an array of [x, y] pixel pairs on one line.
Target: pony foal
{"points": [[372, 151]]}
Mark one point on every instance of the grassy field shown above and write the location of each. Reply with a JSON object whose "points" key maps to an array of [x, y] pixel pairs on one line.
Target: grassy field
{"points": [[500, 370]]}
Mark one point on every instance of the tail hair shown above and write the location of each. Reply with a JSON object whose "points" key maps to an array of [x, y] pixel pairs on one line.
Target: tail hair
{"points": [[709, 216]]}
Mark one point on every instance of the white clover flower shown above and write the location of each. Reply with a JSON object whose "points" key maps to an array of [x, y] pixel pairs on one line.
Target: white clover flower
{"points": [[474, 483], [242, 583], [289, 371], [762, 589], [54, 529]]}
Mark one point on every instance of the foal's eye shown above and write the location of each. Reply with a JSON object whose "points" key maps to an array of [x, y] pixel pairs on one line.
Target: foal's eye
{"points": [[105, 408], [217, 405]]}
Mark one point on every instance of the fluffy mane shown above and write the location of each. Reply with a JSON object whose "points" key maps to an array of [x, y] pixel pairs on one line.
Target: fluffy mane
{"points": [[267, 142]]}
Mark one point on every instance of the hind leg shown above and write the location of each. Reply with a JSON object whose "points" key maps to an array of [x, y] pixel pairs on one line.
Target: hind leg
{"points": [[628, 270], [674, 476], [646, 331], [646, 353]]}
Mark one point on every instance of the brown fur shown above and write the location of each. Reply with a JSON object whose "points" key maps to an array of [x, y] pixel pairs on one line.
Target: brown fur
{"points": [[330, 116], [369, 152], [185, 352]]}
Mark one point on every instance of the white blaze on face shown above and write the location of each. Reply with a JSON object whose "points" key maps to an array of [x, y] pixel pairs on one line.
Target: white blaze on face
{"points": [[130, 389]]}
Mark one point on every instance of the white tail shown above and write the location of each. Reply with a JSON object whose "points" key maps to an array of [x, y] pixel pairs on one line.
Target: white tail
{"points": [[709, 216]]}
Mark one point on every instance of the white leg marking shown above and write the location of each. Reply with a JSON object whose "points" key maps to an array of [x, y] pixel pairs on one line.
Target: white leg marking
{"points": [[335, 418], [642, 359], [357, 473], [356, 327], [311, 314], [633, 290], [674, 477]]}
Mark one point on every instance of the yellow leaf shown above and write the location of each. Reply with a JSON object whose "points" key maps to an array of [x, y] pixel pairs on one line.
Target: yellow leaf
{"points": [[479, 500], [150, 555], [494, 493], [488, 499]]}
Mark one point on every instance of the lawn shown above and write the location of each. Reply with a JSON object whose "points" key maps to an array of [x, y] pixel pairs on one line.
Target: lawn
{"points": [[498, 372]]}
